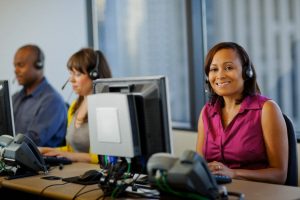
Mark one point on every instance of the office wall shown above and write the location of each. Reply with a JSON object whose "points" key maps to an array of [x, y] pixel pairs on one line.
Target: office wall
{"points": [[59, 27], [184, 140]]}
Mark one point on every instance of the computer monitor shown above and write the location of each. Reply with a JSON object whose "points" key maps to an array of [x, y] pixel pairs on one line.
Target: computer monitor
{"points": [[130, 117], [6, 111]]}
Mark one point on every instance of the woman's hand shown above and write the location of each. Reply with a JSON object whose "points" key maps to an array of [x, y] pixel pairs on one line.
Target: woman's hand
{"points": [[48, 151], [74, 156], [219, 168], [45, 150]]}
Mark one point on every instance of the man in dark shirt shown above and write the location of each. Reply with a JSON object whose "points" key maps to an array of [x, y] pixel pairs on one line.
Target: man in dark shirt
{"points": [[39, 111]]}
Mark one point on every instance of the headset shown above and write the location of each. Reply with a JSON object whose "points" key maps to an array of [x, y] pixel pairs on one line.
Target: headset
{"points": [[39, 63], [249, 71], [94, 73]]}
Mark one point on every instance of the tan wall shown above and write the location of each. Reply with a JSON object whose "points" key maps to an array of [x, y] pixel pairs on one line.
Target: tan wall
{"points": [[184, 140], [187, 140]]}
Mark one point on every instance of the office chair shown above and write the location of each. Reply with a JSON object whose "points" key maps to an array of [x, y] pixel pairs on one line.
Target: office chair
{"points": [[292, 172]]}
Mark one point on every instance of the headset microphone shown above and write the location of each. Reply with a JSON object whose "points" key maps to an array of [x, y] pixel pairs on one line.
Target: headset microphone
{"points": [[64, 85]]}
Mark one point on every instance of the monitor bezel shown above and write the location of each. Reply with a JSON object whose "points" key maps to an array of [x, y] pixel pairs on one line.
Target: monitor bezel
{"points": [[6, 86], [163, 83]]}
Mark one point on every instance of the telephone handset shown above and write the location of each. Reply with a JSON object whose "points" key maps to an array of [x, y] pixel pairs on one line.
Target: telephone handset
{"points": [[188, 173], [38, 159], [21, 151]]}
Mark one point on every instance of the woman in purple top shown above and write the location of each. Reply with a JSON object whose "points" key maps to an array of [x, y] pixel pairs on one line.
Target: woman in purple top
{"points": [[241, 133]]}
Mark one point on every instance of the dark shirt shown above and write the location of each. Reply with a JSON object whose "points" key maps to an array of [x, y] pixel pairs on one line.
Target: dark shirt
{"points": [[41, 115]]}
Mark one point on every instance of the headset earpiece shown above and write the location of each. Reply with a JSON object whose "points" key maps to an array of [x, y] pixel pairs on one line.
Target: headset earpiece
{"points": [[206, 80], [249, 71], [39, 64], [94, 73]]}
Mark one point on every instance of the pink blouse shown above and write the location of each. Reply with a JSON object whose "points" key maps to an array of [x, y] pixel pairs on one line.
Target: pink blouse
{"points": [[241, 143]]}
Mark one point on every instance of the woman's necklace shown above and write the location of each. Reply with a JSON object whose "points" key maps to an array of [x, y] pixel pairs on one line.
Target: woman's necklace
{"points": [[82, 112]]}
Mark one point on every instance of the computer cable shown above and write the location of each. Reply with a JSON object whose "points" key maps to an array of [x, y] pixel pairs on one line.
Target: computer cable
{"points": [[119, 180], [57, 184], [123, 184], [77, 193], [118, 190], [5, 170], [104, 179], [118, 172], [106, 161], [128, 160], [91, 190], [161, 182], [240, 196], [104, 182], [103, 195], [113, 183], [140, 190], [2, 165]]}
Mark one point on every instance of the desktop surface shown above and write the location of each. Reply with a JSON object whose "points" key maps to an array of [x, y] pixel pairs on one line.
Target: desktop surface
{"points": [[265, 191], [35, 185]]}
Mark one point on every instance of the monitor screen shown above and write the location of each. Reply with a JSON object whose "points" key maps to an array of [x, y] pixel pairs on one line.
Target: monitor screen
{"points": [[6, 111], [130, 117]]}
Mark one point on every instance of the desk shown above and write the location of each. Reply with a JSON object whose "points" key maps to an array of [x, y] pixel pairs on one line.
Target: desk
{"points": [[264, 191], [35, 185]]}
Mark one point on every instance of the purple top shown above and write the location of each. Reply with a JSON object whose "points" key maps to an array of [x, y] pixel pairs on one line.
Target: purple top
{"points": [[241, 143]]}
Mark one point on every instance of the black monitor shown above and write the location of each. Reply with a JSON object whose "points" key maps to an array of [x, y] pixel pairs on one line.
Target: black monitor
{"points": [[6, 111], [130, 117]]}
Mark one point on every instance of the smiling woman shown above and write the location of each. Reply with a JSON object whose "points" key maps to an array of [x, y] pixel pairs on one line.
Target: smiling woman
{"points": [[240, 131]]}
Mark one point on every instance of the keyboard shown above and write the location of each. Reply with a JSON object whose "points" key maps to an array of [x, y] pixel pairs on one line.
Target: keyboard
{"points": [[222, 179], [53, 160]]}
